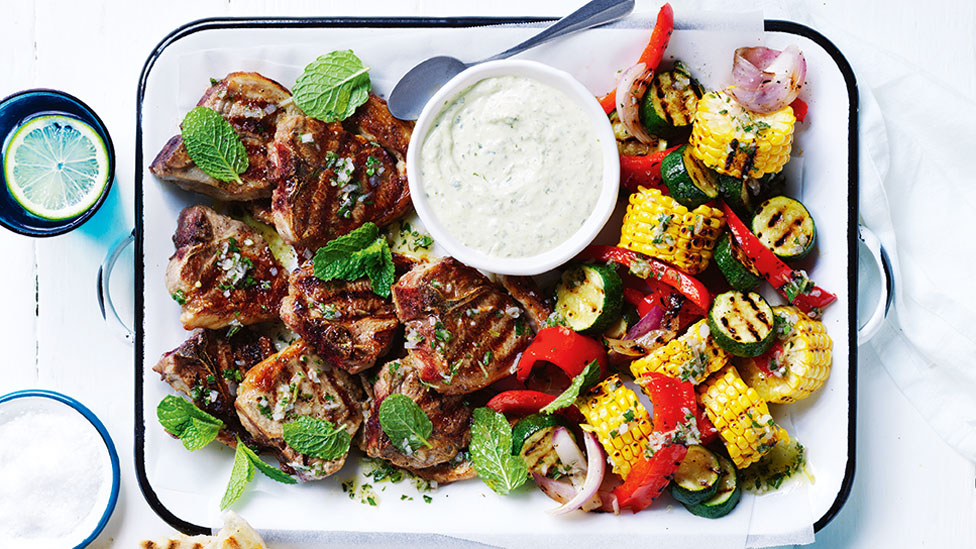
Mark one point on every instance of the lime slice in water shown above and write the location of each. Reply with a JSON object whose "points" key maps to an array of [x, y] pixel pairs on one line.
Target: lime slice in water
{"points": [[55, 166]]}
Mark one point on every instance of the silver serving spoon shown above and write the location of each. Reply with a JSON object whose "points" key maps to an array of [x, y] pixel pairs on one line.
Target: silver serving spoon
{"points": [[419, 84]]}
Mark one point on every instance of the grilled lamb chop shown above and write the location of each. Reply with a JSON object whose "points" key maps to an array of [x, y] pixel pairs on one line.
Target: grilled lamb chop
{"points": [[295, 382], [451, 418], [330, 181], [529, 296], [222, 272], [467, 332], [345, 322], [249, 102], [373, 121], [446, 473], [207, 368]]}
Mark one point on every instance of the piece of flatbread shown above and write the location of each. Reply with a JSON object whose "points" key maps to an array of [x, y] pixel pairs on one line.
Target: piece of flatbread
{"points": [[236, 534]]}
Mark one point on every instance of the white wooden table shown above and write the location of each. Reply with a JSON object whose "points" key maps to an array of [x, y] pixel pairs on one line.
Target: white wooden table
{"points": [[911, 489]]}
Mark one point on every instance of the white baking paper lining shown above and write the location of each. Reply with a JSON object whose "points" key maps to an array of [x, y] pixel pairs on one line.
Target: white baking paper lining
{"points": [[191, 485]]}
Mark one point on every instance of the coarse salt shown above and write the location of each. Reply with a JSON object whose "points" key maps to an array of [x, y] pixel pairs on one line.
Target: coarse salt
{"points": [[55, 479]]}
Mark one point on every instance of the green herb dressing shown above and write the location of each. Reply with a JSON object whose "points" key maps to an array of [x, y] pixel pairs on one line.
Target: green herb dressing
{"points": [[512, 167]]}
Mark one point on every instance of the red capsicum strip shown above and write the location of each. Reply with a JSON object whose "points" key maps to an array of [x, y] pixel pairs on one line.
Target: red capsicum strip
{"points": [[520, 403], [653, 52], [705, 427], [689, 286], [800, 109], [649, 477], [673, 401], [643, 171], [777, 273], [568, 350]]}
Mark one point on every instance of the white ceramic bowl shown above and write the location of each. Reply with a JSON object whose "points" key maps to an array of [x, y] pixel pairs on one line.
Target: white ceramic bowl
{"points": [[610, 182]]}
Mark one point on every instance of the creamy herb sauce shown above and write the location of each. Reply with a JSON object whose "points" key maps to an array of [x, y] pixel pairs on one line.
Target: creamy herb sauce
{"points": [[512, 167]]}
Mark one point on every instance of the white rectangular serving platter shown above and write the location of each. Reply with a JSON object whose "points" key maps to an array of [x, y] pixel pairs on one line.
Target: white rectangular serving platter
{"points": [[185, 488]]}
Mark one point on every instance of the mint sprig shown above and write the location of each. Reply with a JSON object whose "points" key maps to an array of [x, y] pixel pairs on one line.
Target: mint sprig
{"points": [[241, 474], [363, 252], [181, 418], [333, 86], [213, 145], [245, 462], [405, 423], [586, 379], [491, 452], [317, 438]]}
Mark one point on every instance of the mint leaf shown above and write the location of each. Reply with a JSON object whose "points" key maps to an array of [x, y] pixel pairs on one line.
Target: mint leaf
{"points": [[199, 434], [363, 252], [405, 423], [240, 475], [332, 86], [317, 438], [381, 270], [182, 419], [491, 452], [213, 145], [586, 379], [245, 462], [269, 471]]}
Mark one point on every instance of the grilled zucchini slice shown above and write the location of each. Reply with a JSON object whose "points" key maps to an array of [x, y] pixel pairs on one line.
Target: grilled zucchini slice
{"points": [[669, 104], [696, 479], [532, 441], [725, 499], [688, 180], [735, 265], [744, 195], [785, 226], [588, 297], [742, 323]]}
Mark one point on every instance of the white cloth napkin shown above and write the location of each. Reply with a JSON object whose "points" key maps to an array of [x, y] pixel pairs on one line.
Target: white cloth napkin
{"points": [[917, 140]]}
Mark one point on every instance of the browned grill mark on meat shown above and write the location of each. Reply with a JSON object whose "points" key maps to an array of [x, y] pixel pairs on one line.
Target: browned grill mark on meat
{"points": [[222, 271], [250, 103], [208, 366], [345, 322], [467, 332], [294, 383], [449, 415], [530, 297], [330, 181]]}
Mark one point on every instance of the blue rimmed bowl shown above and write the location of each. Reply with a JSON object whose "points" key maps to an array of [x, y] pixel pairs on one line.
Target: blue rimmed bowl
{"points": [[19, 402]]}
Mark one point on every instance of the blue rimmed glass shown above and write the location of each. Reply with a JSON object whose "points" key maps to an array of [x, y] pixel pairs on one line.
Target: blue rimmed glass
{"points": [[22, 106], [102, 431]]}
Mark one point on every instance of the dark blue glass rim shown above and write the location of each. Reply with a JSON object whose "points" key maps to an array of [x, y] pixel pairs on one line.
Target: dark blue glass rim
{"points": [[102, 129], [106, 438]]}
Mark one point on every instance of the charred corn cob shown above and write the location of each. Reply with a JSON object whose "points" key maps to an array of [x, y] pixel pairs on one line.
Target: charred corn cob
{"points": [[740, 415], [797, 365], [620, 422], [692, 357], [660, 227], [732, 140]]}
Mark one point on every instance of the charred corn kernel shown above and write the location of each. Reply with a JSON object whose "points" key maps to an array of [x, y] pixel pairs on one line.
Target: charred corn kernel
{"points": [[657, 225], [691, 357], [797, 365], [620, 422], [740, 415], [732, 140]]}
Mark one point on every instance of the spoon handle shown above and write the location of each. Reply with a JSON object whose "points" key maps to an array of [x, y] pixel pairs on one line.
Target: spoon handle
{"points": [[594, 13]]}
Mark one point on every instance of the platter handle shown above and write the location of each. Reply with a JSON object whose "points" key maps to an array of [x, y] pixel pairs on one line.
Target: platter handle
{"points": [[105, 304], [878, 260]]}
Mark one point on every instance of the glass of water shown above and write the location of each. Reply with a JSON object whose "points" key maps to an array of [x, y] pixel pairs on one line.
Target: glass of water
{"points": [[57, 162]]}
